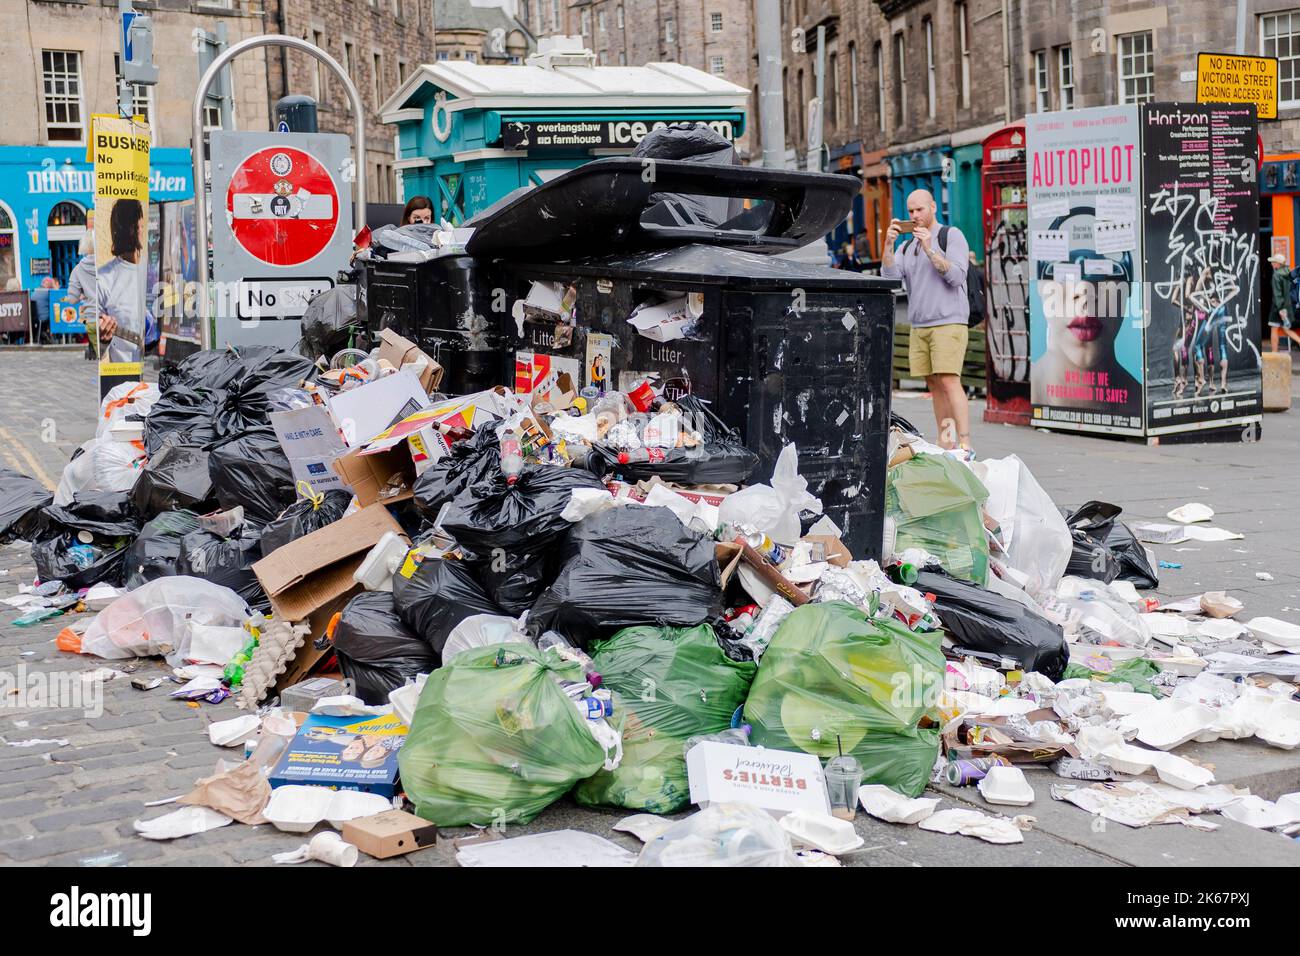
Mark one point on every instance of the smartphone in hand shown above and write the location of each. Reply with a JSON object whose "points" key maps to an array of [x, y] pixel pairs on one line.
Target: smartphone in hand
{"points": [[905, 226]]}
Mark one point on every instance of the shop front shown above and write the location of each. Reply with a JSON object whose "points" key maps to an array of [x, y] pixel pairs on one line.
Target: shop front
{"points": [[469, 133], [45, 193]]}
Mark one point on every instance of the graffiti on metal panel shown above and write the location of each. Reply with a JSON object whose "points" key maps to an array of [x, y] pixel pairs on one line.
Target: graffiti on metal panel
{"points": [[1008, 307]]}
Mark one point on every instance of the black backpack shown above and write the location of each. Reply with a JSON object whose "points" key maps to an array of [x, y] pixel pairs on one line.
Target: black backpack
{"points": [[943, 241]]}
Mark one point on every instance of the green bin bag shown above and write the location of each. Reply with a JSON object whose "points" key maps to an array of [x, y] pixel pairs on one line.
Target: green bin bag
{"points": [[495, 739], [671, 684], [935, 502], [831, 669]]}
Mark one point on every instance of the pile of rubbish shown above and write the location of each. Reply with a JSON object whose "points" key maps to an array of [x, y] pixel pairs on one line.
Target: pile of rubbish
{"points": [[479, 604]]}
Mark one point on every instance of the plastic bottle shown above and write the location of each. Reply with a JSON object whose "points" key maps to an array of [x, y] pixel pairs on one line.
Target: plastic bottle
{"points": [[512, 456], [233, 674], [82, 556], [638, 455]]}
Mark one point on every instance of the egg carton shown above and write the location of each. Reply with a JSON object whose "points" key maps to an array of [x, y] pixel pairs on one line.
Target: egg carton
{"points": [[277, 647]]}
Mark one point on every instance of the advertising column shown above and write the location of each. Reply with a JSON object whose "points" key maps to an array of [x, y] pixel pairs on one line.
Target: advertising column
{"points": [[1085, 295], [1201, 239], [121, 154]]}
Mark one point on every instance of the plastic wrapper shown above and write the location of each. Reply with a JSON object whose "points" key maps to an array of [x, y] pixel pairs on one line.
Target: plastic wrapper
{"points": [[226, 561], [833, 672], [1096, 614], [175, 478], [112, 525], [723, 834], [304, 516], [469, 462], [673, 683], [376, 649], [627, 567], [156, 551], [22, 501], [149, 620], [495, 739], [217, 394], [123, 400], [773, 508], [1137, 673], [252, 472], [979, 620], [935, 503], [436, 595], [720, 458]]}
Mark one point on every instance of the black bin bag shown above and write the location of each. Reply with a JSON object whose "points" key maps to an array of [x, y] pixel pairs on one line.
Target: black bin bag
{"points": [[625, 567], [438, 595], [156, 552], [978, 619], [110, 522], [22, 499], [174, 478], [252, 472], [1105, 548], [226, 561], [303, 517], [376, 649], [469, 462]]}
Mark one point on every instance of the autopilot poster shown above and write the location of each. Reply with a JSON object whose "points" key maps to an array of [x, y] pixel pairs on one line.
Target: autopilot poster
{"points": [[1201, 225], [1085, 293]]}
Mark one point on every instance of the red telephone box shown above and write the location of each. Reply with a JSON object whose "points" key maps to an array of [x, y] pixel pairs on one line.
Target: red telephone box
{"points": [[1006, 269]]}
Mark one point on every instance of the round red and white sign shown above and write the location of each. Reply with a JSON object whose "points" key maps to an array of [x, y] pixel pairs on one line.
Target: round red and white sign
{"points": [[283, 206]]}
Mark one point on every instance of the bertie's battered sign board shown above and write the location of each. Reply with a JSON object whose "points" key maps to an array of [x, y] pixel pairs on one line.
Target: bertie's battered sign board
{"points": [[1228, 78], [281, 230]]}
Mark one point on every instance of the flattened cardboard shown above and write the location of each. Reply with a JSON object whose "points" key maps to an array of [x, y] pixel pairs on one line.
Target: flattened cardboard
{"points": [[398, 351], [365, 411], [323, 754], [391, 833]]}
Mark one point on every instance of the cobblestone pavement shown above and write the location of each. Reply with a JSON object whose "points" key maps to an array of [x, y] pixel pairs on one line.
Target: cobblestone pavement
{"points": [[72, 798]]}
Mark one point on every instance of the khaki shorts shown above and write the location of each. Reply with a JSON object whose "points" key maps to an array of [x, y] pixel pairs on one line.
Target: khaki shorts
{"points": [[938, 350]]}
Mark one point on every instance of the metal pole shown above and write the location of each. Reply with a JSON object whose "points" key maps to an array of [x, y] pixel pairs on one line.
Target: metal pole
{"points": [[125, 101], [1241, 26], [818, 124], [771, 95], [196, 150]]}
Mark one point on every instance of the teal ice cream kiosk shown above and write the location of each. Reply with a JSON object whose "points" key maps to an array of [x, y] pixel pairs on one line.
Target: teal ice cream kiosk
{"points": [[469, 133]]}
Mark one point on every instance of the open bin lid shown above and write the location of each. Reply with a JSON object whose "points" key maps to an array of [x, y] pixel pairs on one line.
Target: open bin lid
{"points": [[599, 207]]}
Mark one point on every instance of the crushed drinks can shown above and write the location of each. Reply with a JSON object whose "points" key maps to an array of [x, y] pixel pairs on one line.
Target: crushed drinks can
{"points": [[963, 773]]}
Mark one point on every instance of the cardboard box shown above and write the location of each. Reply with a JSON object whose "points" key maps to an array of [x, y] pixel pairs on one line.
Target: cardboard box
{"points": [[343, 753], [311, 578], [365, 411], [311, 441], [399, 351], [368, 473], [778, 781], [391, 833]]}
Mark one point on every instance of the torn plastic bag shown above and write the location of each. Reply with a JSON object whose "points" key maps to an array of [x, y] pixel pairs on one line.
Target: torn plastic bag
{"points": [[175, 478], [627, 567], [979, 620], [328, 322], [774, 508], [226, 561], [469, 462], [307, 514], [722, 834], [251, 471], [935, 504], [695, 689], [495, 739], [156, 552], [833, 671], [376, 649], [126, 398], [722, 458], [110, 522], [22, 503], [525, 516], [149, 620], [432, 595]]}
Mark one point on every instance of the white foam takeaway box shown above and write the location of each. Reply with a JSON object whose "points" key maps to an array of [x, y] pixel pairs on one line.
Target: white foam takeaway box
{"points": [[778, 781]]}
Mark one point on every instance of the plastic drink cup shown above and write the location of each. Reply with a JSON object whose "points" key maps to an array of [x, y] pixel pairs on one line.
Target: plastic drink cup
{"points": [[843, 780]]}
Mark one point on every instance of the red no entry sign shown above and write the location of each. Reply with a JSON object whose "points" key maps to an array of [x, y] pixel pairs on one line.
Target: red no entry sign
{"points": [[283, 206]]}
